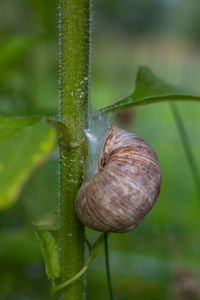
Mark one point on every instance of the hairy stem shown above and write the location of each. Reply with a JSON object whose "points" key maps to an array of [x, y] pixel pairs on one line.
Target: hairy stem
{"points": [[74, 60]]}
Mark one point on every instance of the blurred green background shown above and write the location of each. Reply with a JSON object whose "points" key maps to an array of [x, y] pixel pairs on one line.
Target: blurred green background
{"points": [[161, 258]]}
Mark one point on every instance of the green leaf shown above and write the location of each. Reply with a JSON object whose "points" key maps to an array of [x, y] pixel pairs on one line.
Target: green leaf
{"points": [[50, 253], [150, 89], [25, 143]]}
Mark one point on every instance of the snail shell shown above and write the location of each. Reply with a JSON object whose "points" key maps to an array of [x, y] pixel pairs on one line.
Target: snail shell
{"points": [[125, 187]]}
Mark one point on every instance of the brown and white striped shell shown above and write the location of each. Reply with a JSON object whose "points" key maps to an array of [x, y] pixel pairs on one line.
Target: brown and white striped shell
{"points": [[125, 187]]}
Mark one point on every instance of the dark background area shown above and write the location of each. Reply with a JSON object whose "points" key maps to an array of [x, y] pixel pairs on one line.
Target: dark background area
{"points": [[161, 258]]}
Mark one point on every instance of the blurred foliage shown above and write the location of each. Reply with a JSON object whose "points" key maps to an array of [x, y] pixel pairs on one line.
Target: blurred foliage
{"points": [[50, 252], [155, 260], [24, 145], [158, 17]]}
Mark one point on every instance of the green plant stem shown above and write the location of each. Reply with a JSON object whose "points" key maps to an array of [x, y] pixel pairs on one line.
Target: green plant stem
{"points": [[74, 60], [93, 253], [52, 294], [108, 266], [187, 147], [70, 281]]}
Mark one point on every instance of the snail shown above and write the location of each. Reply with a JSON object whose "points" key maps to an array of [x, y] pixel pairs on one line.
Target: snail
{"points": [[125, 187]]}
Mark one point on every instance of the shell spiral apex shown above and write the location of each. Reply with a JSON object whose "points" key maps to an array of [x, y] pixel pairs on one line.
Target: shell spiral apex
{"points": [[125, 187]]}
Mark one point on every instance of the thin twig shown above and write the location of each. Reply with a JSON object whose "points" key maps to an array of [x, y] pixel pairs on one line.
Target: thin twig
{"points": [[187, 147], [108, 266]]}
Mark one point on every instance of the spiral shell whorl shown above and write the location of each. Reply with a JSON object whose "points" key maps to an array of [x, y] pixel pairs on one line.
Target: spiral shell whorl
{"points": [[125, 187]]}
